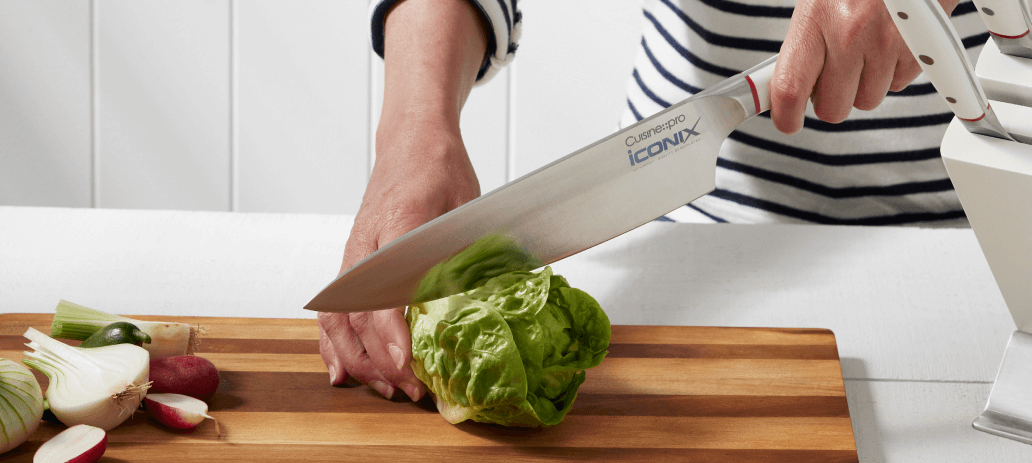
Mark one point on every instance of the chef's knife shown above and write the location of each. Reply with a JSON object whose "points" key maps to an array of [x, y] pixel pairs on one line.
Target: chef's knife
{"points": [[1009, 22], [938, 49], [599, 192]]}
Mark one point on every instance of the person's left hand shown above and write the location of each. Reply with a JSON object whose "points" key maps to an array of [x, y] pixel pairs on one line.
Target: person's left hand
{"points": [[841, 54]]}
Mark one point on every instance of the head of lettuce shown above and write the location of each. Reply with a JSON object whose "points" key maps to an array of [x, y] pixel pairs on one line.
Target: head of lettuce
{"points": [[512, 351]]}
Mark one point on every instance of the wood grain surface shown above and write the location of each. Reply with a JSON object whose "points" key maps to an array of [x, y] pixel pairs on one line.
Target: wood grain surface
{"points": [[663, 393]]}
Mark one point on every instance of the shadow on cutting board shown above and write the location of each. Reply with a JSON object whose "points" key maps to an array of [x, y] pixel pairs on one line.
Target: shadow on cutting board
{"points": [[861, 411]]}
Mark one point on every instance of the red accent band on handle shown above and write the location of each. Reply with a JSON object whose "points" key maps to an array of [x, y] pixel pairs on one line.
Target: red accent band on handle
{"points": [[755, 96], [972, 120], [1009, 36]]}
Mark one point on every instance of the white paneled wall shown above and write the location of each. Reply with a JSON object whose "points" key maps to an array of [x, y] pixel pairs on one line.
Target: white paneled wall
{"points": [[268, 105], [302, 105], [162, 111], [572, 75], [45, 103]]}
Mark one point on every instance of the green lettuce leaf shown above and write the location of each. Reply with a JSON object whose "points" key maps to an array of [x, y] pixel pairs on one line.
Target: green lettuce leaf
{"points": [[486, 258], [512, 351]]}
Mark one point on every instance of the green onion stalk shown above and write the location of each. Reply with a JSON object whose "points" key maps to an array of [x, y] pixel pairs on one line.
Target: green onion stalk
{"points": [[168, 339]]}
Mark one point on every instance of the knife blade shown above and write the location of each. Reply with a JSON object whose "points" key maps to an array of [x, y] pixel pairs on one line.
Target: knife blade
{"points": [[592, 195], [932, 39], [1009, 22]]}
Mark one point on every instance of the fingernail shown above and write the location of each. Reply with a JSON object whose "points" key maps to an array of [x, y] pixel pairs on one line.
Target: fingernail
{"points": [[397, 355], [411, 390], [383, 388], [333, 373]]}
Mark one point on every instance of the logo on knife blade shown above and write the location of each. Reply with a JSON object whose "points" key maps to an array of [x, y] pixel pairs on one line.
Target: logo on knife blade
{"points": [[657, 148]]}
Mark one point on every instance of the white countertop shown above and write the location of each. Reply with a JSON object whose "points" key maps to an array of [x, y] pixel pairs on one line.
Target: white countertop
{"points": [[920, 324]]}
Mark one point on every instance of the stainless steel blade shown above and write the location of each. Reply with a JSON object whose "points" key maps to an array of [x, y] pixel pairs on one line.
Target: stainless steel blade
{"points": [[590, 196]]}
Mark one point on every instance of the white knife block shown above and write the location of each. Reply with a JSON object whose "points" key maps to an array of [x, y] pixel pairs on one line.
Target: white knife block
{"points": [[993, 178]]}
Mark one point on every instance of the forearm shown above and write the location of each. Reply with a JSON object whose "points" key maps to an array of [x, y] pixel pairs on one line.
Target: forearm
{"points": [[433, 50]]}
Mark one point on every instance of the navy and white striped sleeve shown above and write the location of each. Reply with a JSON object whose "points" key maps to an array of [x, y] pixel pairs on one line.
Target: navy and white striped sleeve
{"points": [[503, 20]]}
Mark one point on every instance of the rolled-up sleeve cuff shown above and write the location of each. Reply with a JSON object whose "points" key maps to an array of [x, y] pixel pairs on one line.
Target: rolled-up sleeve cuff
{"points": [[503, 21]]}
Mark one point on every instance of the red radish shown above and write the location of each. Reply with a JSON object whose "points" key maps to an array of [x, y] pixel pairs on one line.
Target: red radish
{"points": [[185, 374], [81, 443], [177, 411]]}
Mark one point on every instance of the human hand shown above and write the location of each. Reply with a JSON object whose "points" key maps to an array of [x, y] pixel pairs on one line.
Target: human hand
{"points": [[421, 172], [840, 54]]}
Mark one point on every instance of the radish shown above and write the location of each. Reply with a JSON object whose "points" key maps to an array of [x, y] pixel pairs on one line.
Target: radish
{"points": [[81, 443], [184, 374], [178, 411]]}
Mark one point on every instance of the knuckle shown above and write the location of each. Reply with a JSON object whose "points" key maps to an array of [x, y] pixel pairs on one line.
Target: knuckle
{"points": [[867, 103], [325, 346], [789, 88], [363, 372], [332, 323], [830, 113], [906, 72], [326, 350], [361, 322]]}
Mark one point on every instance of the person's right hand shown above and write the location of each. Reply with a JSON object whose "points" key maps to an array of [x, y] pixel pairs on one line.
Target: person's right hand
{"points": [[421, 172], [839, 55]]}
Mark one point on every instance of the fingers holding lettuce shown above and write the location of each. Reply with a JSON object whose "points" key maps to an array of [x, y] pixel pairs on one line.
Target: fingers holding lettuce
{"points": [[421, 171], [512, 349], [414, 180]]}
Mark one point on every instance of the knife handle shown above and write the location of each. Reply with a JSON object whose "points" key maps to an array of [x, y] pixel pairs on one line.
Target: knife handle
{"points": [[938, 49], [1004, 18], [1009, 22], [759, 82]]}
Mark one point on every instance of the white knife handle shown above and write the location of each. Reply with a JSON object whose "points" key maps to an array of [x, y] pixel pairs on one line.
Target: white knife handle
{"points": [[759, 82], [1004, 18], [938, 49], [749, 88]]}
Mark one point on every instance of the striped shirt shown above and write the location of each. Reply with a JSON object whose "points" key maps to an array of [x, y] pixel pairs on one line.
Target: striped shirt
{"points": [[879, 167]]}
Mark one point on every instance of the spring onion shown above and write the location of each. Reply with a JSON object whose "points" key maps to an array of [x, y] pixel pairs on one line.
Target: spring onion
{"points": [[99, 386], [21, 404], [73, 321]]}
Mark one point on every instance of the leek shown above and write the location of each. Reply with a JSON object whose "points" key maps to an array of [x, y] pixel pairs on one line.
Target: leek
{"points": [[168, 339]]}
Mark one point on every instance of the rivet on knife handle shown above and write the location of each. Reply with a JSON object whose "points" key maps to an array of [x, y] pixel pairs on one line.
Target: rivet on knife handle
{"points": [[938, 49], [1008, 22]]}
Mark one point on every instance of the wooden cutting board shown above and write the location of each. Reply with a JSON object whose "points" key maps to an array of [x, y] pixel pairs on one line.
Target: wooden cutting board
{"points": [[664, 393]]}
